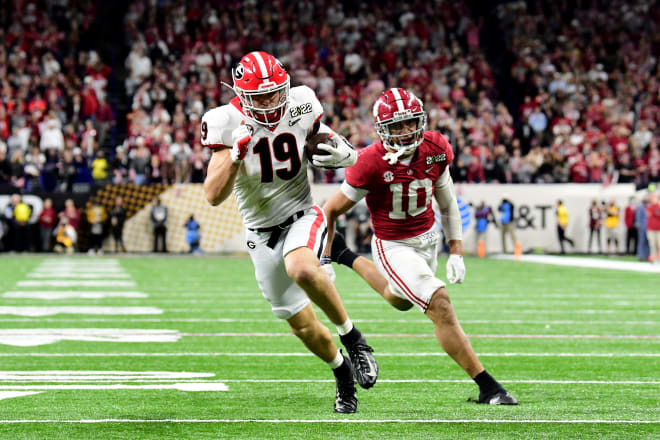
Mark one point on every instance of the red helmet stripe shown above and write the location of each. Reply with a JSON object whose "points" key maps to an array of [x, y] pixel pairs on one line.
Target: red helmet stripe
{"points": [[398, 99], [261, 63]]}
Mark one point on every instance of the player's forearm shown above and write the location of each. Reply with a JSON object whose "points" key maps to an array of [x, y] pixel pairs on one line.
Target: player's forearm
{"points": [[331, 218], [220, 178], [449, 213]]}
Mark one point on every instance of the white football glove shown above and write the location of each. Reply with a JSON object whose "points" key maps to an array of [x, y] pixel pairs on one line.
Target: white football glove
{"points": [[330, 271], [340, 157], [455, 269], [240, 138]]}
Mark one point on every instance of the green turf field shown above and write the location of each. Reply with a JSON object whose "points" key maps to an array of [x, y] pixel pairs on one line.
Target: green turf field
{"points": [[579, 348]]}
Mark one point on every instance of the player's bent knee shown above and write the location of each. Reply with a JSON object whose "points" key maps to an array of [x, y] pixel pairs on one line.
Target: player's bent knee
{"points": [[440, 309], [302, 273]]}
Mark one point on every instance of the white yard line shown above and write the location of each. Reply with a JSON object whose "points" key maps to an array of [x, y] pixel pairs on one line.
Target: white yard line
{"points": [[74, 283], [66, 294], [592, 263], [341, 421], [271, 320], [429, 335], [307, 354], [78, 275], [74, 310]]}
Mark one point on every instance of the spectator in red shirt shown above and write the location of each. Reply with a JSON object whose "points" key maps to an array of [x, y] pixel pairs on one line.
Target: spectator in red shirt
{"points": [[47, 220], [72, 214], [631, 230], [653, 227]]}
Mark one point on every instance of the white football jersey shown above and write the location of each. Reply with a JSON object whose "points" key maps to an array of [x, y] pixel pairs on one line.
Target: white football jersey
{"points": [[271, 184]]}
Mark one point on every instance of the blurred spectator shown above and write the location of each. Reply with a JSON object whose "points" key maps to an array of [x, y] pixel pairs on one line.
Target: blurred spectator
{"points": [[612, 225], [96, 217], [653, 227], [72, 214], [562, 224], [641, 221], [193, 237], [159, 222], [10, 222], [22, 213], [66, 236], [100, 168], [595, 223], [483, 216], [507, 221], [631, 230], [47, 220], [117, 219]]}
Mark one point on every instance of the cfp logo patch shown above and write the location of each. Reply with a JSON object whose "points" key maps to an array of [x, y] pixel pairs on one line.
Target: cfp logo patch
{"points": [[435, 159], [301, 110], [251, 244]]}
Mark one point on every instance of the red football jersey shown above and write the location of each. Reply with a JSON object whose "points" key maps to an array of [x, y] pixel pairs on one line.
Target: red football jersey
{"points": [[399, 197]]}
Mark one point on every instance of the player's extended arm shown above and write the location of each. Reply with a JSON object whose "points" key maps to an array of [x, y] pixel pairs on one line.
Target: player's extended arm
{"points": [[333, 208], [452, 225], [220, 177], [224, 165]]}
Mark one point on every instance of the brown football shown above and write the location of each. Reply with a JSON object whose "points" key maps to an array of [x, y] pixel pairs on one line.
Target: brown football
{"points": [[311, 146]]}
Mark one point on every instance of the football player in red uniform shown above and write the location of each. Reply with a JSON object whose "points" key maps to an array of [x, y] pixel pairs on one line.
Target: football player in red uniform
{"points": [[258, 141], [399, 176]]}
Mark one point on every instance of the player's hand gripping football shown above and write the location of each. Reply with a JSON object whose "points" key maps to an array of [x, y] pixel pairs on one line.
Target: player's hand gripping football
{"points": [[455, 269], [240, 138], [341, 156]]}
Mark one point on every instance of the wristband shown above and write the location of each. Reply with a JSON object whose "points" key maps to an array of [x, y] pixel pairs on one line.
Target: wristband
{"points": [[325, 260]]}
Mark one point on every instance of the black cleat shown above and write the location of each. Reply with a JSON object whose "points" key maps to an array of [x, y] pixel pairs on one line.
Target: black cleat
{"points": [[346, 396], [364, 363], [500, 397]]}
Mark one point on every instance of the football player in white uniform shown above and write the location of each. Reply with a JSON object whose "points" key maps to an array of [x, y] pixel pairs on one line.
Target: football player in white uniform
{"points": [[258, 141]]}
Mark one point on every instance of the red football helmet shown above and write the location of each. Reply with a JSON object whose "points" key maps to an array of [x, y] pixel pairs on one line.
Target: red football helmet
{"points": [[392, 107], [259, 73]]}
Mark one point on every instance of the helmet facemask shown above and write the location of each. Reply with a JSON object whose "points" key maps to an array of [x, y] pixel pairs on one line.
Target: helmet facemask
{"points": [[404, 143], [268, 117]]}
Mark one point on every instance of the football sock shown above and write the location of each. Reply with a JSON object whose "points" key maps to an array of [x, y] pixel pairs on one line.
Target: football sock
{"points": [[340, 253], [337, 361], [487, 384], [345, 327], [350, 338], [343, 371]]}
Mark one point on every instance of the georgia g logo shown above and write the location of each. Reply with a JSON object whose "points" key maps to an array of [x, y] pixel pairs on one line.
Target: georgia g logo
{"points": [[251, 244], [238, 72]]}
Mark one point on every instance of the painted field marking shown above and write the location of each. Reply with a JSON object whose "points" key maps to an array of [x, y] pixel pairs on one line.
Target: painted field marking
{"points": [[75, 310], [469, 381], [74, 283], [595, 263], [307, 354], [526, 311], [79, 275], [12, 394], [341, 421], [66, 294], [42, 336], [429, 335], [185, 386], [270, 320], [96, 375]]}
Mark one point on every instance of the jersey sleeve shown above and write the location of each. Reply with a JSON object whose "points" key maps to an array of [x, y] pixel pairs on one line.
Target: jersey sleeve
{"points": [[440, 141], [359, 175], [216, 129]]}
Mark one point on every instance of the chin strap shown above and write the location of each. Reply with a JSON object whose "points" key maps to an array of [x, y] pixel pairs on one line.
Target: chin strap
{"points": [[393, 157]]}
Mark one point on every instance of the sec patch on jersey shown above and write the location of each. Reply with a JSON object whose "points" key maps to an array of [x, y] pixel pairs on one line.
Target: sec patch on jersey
{"points": [[312, 144]]}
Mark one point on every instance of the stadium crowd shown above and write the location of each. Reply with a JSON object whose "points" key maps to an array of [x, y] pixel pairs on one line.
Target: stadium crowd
{"points": [[576, 106]]}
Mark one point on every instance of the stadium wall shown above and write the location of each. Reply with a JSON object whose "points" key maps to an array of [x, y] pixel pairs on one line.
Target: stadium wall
{"points": [[222, 229]]}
